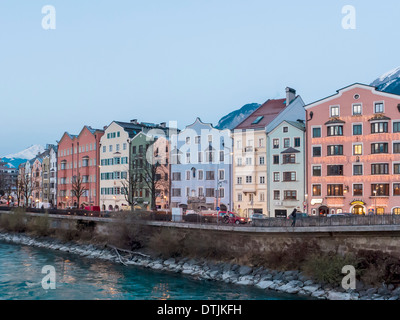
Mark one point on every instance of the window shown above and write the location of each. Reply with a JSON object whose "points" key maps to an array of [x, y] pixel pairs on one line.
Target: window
{"points": [[396, 189], [201, 192], [176, 176], [104, 149], [396, 147], [379, 148], [335, 170], [296, 142], [382, 189], [379, 127], [275, 143], [290, 195], [110, 148], [335, 190], [262, 180], [357, 109], [316, 151], [240, 197], [316, 171], [221, 193], [379, 107], [316, 132], [396, 211], [316, 190], [210, 175], [249, 179], [289, 176], [221, 174], [187, 157], [262, 196], [262, 160], [335, 130], [396, 126], [285, 129], [239, 180], [335, 150], [197, 140], [200, 156], [261, 142], [124, 146], [176, 192], [380, 168], [357, 189], [277, 195], [257, 120], [357, 129], [187, 175], [276, 159], [357, 149], [334, 112], [117, 147], [209, 192], [187, 140], [286, 143], [221, 156], [248, 161], [289, 158], [396, 168], [357, 170], [200, 175], [276, 177]]}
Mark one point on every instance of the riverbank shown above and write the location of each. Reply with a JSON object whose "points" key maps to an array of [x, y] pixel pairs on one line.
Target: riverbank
{"points": [[291, 282]]}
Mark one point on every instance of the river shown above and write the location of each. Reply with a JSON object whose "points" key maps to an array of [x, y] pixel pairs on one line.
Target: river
{"points": [[79, 278]]}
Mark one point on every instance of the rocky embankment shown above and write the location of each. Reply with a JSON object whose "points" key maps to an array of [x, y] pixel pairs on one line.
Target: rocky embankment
{"points": [[292, 282]]}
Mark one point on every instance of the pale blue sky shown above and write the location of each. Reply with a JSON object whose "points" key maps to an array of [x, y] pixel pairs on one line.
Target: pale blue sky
{"points": [[174, 60]]}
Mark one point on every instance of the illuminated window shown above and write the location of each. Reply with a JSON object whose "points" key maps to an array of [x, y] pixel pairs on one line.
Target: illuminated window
{"points": [[396, 210], [357, 149], [316, 190], [396, 189]]}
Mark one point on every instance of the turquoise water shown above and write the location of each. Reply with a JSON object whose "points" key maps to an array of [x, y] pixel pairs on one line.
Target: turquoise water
{"points": [[79, 278]]}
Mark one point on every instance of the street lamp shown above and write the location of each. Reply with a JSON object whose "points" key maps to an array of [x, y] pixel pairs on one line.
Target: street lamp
{"points": [[375, 201]]}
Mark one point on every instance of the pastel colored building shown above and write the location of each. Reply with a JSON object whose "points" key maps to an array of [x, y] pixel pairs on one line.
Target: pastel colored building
{"points": [[286, 168], [201, 168], [115, 158], [353, 152], [78, 157], [250, 151]]}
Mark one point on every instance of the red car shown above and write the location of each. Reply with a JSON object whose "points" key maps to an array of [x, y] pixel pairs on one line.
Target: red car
{"points": [[231, 217]]}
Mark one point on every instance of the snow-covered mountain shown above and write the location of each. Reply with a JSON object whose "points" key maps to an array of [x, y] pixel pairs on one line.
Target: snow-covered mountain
{"points": [[14, 160], [389, 81], [231, 120]]}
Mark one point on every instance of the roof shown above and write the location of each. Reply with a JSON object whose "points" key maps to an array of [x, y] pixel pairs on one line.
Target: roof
{"points": [[297, 124], [290, 150], [262, 116]]}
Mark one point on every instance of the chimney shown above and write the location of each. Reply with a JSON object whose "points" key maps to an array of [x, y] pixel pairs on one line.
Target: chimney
{"points": [[134, 121], [290, 95]]}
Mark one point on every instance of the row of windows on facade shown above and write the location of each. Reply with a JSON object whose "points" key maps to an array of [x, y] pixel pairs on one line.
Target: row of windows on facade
{"points": [[377, 189], [287, 195], [357, 129], [117, 147], [138, 193], [71, 180], [71, 193], [358, 169], [68, 151], [209, 192], [357, 149], [378, 107], [114, 161], [64, 165], [208, 156], [286, 143], [199, 175]]}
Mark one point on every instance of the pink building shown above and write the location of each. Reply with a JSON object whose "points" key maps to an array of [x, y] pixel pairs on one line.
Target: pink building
{"points": [[78, 156], [353, 152]]}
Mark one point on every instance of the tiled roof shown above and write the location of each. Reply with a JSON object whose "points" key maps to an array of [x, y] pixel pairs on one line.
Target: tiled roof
{"points": [[262, 116]]}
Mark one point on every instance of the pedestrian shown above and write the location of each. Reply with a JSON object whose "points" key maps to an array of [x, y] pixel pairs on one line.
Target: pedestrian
{"points": [[293, 215]]}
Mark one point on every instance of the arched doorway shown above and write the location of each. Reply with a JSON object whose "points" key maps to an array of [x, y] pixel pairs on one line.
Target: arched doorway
{"points": [[323, 210], [358, 209]]}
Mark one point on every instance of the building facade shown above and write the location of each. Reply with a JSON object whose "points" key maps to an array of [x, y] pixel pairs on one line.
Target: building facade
{"points": [[78, 168], [201, 169], [286, 168], [353, 152], [251, 153]]}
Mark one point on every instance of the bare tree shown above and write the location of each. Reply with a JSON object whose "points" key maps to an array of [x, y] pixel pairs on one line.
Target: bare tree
{"points": [[26, 187], [78, 189]]}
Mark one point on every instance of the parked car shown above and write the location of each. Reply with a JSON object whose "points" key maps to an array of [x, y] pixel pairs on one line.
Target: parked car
{"points": [[231, 217], [257, 216]]}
